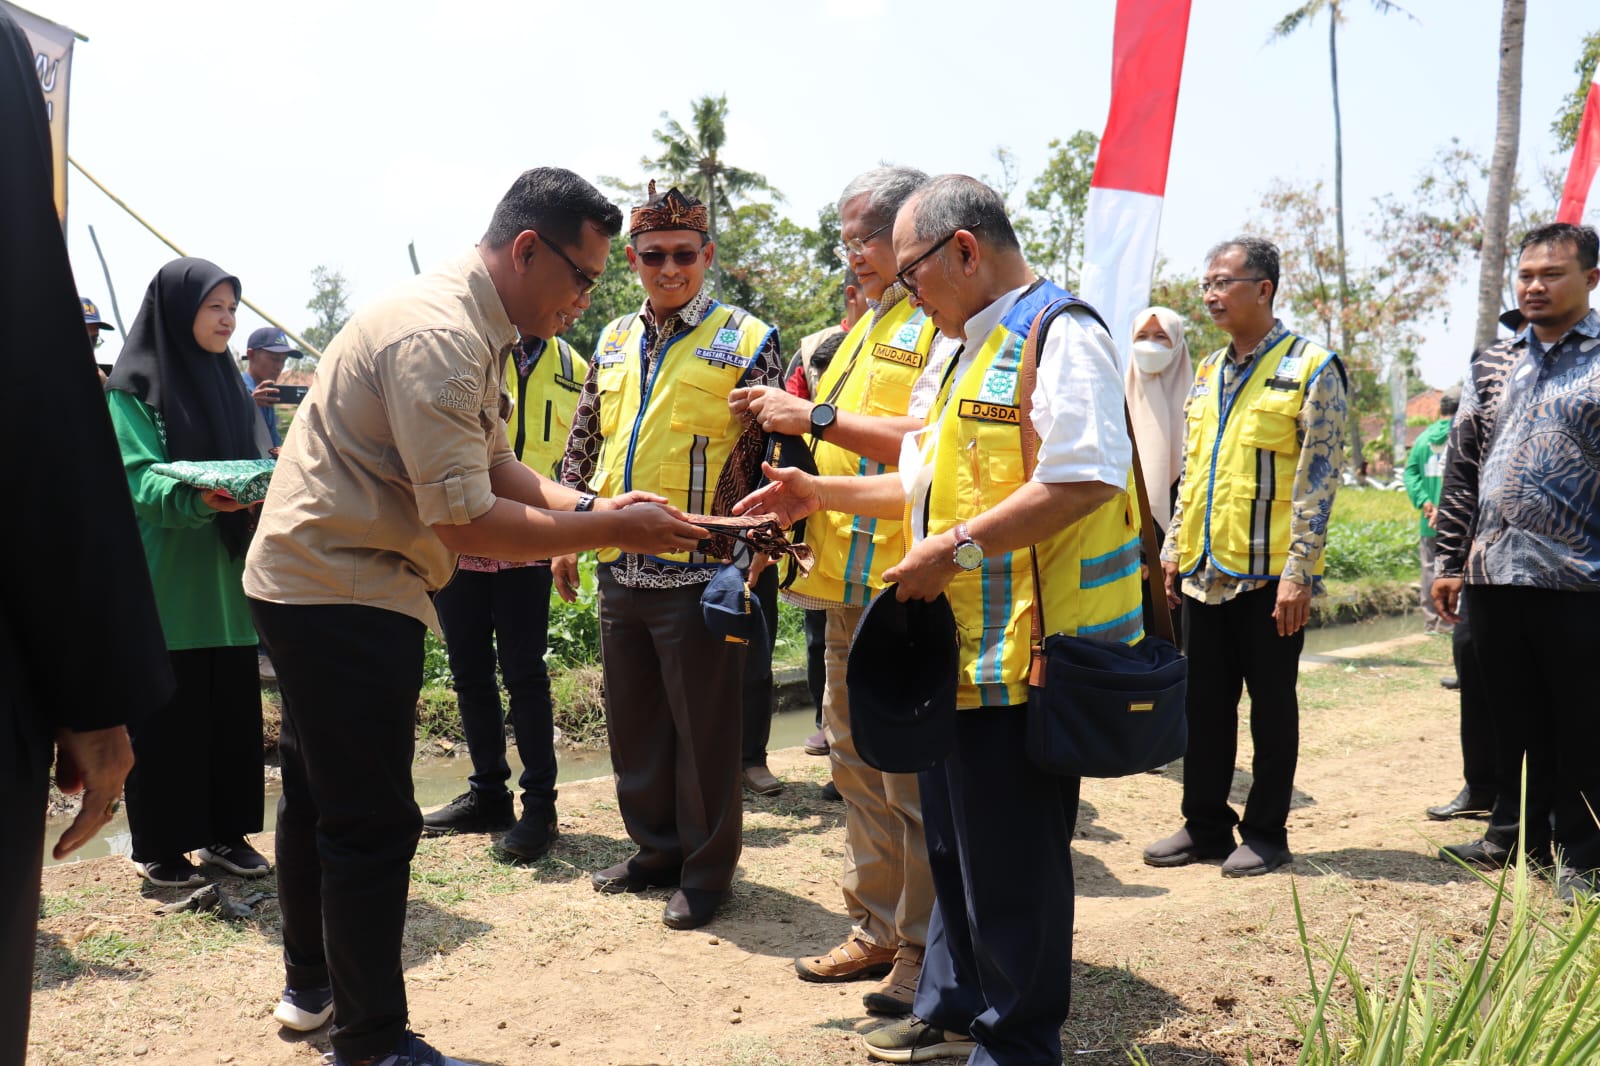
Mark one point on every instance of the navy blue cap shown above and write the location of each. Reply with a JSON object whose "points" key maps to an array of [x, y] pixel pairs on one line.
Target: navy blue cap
{"points": [[729, 610], [271, 339], [91, 316], [905, 660]]}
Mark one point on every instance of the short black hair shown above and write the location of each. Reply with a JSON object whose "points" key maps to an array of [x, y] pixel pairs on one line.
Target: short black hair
{"points": [[952, 202], [1260, 257], [1583, 237], [553, 202]]}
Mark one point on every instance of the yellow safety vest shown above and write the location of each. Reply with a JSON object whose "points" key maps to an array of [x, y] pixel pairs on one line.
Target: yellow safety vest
{"points": [[871, 374], [1239, 465], [672, 434], [1090, 569], [545, 402]]}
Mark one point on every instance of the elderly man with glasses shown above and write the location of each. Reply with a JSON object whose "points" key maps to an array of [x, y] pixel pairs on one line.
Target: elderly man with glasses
{"points": [[1266, 421], [877, 389], [654, 417]]}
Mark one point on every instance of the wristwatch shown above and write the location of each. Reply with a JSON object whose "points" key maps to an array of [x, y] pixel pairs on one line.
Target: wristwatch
{"points": [[968, 555], [585, 502], [822, 416]]}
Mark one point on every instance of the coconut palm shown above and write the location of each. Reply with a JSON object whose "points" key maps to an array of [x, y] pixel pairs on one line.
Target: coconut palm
{"points": [[1502, 172], [692, 160]]}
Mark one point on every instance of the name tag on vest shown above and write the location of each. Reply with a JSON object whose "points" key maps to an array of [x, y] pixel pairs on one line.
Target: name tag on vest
{"points": [[569, 384], [723, 357], [915, 360], [610, 356], [989, 412]]}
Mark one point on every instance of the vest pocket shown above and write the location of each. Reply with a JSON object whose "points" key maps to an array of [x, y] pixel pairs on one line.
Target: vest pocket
{"points": [[610, 383], [1272, 422], [700, 404], [887, 397]]}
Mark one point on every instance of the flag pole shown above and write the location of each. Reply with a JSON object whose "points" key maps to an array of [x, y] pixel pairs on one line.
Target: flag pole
{"points": [[299, 341], [116, 312]]}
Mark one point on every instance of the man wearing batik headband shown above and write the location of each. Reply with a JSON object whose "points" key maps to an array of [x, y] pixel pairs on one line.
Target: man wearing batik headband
{"points": [[654, 416], [878, 387]]}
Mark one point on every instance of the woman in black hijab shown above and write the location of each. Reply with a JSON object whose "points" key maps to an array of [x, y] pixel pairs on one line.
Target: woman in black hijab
{"points": [[175, 394]]}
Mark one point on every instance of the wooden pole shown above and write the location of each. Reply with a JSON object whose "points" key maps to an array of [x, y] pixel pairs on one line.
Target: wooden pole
{"points": [[116, 312]]}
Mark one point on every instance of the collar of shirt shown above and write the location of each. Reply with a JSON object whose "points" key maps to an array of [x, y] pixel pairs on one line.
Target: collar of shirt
{"points": [[980, 325], [1274, 335], [686, 317], [498, 330], [1587, 326], [891, 296], [528, 353]]}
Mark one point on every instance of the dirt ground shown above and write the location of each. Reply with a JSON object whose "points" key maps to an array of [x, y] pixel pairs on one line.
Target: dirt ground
{"points": [[509, 965]]}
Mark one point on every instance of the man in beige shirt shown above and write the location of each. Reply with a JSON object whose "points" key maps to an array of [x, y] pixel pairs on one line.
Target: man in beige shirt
{"points": [[397, 462]]}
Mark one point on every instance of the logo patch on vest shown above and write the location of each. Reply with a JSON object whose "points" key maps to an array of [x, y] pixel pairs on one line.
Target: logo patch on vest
{"points": [[899, 355], [726, 338], [722, 357], [1289, 366], [990, 412], [907, 335], [999, 386]]}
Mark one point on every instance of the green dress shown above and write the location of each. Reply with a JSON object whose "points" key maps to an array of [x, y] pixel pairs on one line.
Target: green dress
{"points": [[199, 589]]}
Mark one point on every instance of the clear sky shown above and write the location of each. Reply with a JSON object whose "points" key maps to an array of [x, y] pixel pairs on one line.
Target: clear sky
{"points": [[272, 138]]}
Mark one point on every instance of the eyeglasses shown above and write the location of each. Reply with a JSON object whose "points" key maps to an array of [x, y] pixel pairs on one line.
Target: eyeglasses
{"points": [[586, 283], [98, 340], [1206, 288], [904, 276], [683, 257], [856, 245]]}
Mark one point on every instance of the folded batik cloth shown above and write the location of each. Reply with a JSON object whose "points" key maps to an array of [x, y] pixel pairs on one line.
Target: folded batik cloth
{"points": [[760, 532], [245, 480]]}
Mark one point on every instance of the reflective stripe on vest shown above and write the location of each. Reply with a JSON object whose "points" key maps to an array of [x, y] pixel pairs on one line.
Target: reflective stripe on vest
{"points": [[673, 433], [546, 399], [1090, 569], [1240, 461], [872, 373]]}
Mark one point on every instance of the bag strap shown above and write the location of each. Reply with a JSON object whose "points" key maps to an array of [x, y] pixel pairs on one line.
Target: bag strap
{"points": [[1027, 376]]}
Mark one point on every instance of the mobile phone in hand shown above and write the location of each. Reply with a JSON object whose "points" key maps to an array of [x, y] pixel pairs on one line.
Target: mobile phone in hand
{"points": [[292, 394]]}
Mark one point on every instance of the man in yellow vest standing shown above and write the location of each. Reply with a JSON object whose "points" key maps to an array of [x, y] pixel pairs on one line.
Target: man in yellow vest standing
{"points": [[996, 978], [653, 416], [1266, 421], [867, 401], [499, 611]]}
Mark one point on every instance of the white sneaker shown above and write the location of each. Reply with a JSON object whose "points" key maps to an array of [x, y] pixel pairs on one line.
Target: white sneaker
{"points": [[264, 668], [304, 1009]]}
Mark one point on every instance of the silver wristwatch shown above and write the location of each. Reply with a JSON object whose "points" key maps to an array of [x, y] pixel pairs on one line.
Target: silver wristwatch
{"points": [[968, 555]]}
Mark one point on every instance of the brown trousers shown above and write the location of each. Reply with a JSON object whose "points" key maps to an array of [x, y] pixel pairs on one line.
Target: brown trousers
{"points": [[888, 890], [673, 711]]}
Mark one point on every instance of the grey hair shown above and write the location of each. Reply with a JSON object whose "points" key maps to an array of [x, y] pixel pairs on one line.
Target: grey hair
{"points": [[1260, 257], [886, 188], [955, 201]]}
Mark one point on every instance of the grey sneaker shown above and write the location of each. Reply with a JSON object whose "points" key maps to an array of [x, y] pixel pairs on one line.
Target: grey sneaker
{"points": [[413, 1051], [913, 1040]]}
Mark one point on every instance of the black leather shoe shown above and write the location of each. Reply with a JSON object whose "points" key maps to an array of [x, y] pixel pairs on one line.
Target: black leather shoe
{"points": [[1451, 683], [624, 877], [471, 812], [1252, 860], [1180, 849], [1466, 804], [530, 838], [1485, 854], [690, 908]]}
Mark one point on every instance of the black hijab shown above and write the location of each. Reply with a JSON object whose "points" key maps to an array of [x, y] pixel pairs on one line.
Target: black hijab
{"points": [[199, 394], [87, 534]]}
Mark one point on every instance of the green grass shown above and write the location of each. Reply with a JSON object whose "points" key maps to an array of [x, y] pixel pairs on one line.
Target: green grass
{"points": [[1372, 534]]}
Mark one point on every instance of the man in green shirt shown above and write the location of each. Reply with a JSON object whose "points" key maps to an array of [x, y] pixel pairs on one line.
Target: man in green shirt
{"points": [[1424, 479]]}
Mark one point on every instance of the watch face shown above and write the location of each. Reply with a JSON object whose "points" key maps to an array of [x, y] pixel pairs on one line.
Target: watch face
{"points": [[968, 555]]}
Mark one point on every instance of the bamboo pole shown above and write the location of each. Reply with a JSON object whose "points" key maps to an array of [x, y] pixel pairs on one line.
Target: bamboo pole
{"points": [[299, 341], [116, 312]]}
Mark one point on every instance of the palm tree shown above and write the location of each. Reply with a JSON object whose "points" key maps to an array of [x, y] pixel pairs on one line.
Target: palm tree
{"points": [[1502, 172], [1303, 15], [693, 161]]}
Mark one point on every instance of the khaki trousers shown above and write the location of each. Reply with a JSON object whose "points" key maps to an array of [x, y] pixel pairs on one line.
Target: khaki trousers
{"points": [[888, 890]]}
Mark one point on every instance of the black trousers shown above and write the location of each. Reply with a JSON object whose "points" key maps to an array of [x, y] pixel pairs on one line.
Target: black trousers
{"points": [[759, 701], [24, 786], [999, 957], [1533, 647], [673, 719], [1479, 752], [196, 777], [508, 611], [1233, 646], [348, 824]]}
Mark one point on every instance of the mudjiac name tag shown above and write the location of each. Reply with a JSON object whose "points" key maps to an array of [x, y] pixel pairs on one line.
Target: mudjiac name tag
{"points": [[989, 412], [915, 360]]}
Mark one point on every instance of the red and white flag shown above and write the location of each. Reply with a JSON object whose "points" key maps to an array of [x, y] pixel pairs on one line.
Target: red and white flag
{"points": [[1580, 200], [1130, 175]]}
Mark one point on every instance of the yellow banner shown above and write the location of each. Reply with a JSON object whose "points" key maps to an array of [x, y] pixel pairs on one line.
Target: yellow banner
{"points": [[52, 61]]}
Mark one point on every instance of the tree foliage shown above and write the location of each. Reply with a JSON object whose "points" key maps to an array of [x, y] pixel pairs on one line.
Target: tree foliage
{"points": [[330, 302], [1567, 119], [1056, 202]]}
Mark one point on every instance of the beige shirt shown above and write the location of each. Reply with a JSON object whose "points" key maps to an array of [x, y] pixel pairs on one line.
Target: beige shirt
{"points": [[398, 433]]}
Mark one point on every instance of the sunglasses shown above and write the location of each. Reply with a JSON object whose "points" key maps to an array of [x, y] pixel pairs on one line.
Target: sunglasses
{"points": [[586, 284], [904, 276], [683, 257]]}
